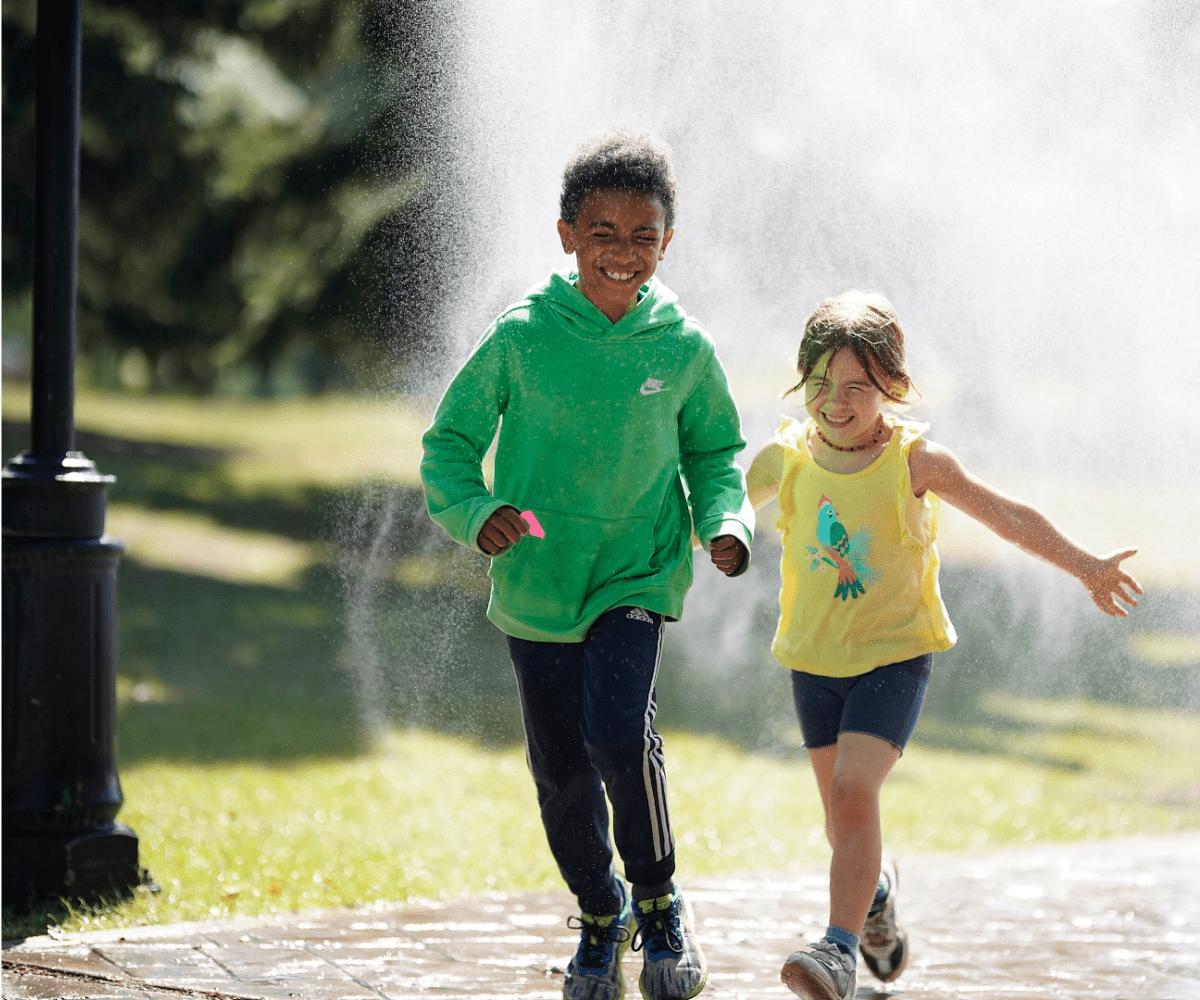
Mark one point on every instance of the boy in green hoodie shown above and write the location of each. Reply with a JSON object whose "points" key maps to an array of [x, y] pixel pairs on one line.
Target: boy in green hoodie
{"points": [[617, 436]]}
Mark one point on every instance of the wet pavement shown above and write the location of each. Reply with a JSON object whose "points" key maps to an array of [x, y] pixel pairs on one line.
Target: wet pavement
{"points": [[1108, 920]]}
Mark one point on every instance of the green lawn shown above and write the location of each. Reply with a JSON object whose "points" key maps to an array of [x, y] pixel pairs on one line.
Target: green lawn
{"points": [[421, 814], [314, 711]]}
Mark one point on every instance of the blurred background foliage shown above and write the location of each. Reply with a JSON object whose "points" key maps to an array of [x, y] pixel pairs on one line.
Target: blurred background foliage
{"points": [[256, 205]]}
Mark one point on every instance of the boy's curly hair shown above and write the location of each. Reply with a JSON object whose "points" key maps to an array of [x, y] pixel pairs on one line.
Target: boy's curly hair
{"points": [[621, 159], [866, 324]]}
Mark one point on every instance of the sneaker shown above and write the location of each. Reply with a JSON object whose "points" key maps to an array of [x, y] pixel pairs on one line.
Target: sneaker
{"points": [[595, 971], [824, 972], [673, 964], [884, 944]]}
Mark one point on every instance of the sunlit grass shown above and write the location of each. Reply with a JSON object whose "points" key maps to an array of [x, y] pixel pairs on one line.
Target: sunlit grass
{"points": [[324, 441], [1167, 649], [193, 543], [424, 815], [421, 815]]}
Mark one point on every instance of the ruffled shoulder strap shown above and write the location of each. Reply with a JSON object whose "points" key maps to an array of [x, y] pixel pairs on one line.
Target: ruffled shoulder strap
{"points": [[791, 434], [910, 431], [918, 515]]}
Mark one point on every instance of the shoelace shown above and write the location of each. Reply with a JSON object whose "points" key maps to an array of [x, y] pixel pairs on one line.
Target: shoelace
{"points": [[593, 948], [659, 931], [836, 957]]}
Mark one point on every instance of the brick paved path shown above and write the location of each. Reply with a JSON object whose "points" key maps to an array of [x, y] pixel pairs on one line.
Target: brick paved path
{"points": [[1112, 920]]}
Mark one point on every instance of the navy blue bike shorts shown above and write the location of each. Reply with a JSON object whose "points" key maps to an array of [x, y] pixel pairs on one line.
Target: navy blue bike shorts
{"points": [[885, 703]]}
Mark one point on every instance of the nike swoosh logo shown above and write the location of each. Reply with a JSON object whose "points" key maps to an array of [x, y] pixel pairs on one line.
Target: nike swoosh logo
{"points": [[650, 392]]}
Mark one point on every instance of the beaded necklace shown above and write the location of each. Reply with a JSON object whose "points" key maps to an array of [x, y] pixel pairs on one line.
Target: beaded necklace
{"points": [[858, 447]]}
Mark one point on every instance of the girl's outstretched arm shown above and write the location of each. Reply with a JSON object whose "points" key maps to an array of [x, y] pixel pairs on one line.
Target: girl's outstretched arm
{"points": [[762, 481], [936, 468]]}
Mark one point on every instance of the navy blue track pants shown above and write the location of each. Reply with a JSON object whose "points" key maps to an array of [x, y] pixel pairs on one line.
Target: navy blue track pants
{"points": [[588, 709]]}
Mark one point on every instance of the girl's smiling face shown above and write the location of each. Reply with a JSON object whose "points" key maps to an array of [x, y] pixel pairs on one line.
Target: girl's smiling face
{"points": [[618, 239], [840, 396]]}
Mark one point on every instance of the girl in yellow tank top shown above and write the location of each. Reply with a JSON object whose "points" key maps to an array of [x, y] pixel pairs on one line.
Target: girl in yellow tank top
{"points": [[859, 567], [860, 608]]}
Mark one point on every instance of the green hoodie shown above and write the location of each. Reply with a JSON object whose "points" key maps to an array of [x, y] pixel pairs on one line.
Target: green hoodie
{"points": [[601, 425]]}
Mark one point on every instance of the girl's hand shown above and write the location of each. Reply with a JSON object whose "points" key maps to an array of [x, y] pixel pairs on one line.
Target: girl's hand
{"points": [[504, 528], [728, 553], [1108, 583]]}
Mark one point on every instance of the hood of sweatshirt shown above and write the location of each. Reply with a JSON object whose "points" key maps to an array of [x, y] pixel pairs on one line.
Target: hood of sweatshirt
{"points": [[656, 310]]}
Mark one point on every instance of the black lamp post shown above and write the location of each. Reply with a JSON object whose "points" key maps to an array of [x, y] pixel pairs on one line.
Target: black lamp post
{"points": [[61, 790]]}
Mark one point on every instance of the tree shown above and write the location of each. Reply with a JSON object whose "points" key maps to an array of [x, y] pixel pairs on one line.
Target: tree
{"points": [[254, 194]]}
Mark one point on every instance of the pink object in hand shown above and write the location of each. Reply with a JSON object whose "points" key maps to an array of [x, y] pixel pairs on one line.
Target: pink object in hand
{"points": [[535, 529]]}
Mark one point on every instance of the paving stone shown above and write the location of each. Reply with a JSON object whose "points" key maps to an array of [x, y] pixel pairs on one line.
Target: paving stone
{"points": [[167, 963], [1095, 921], [79, 959], [20, 986]]}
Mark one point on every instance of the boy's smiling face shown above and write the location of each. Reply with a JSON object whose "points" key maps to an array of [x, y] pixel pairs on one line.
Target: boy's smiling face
{"points": [[618, 239]]}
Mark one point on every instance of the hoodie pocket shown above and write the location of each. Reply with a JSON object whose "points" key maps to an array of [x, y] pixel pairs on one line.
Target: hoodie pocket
{"points": [[551, 579]]}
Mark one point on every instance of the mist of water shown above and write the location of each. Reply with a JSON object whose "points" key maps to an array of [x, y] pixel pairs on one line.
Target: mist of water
{"points": [[1019, 179]]}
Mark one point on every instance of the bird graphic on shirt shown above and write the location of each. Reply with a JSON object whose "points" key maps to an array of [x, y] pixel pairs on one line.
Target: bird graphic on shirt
{"points": [[848, 554]]}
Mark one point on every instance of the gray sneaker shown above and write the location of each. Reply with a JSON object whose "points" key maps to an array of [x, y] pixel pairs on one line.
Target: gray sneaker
{"points": [[595, 971], [823, 972], [673, 964], [884, 943]]}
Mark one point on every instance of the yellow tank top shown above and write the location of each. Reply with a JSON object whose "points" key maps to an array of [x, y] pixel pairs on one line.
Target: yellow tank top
{"points": [[860, 568]]}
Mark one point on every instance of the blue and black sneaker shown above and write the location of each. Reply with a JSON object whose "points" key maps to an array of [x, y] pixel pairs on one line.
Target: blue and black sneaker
{"points": [[673, 964], [595, 971]]}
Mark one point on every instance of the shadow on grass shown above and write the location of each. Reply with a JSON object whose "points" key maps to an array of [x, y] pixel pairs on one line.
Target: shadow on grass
{"points": [[1034, 632], [214, 672], [188, 479], [937, 737]]}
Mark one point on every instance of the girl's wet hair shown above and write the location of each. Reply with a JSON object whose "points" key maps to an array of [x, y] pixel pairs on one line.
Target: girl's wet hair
{"points": [[865, 323], [618, 159]]}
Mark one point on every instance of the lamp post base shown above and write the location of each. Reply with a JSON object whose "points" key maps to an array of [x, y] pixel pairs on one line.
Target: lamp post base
{"points": [[61, 790], [85, 866]]}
